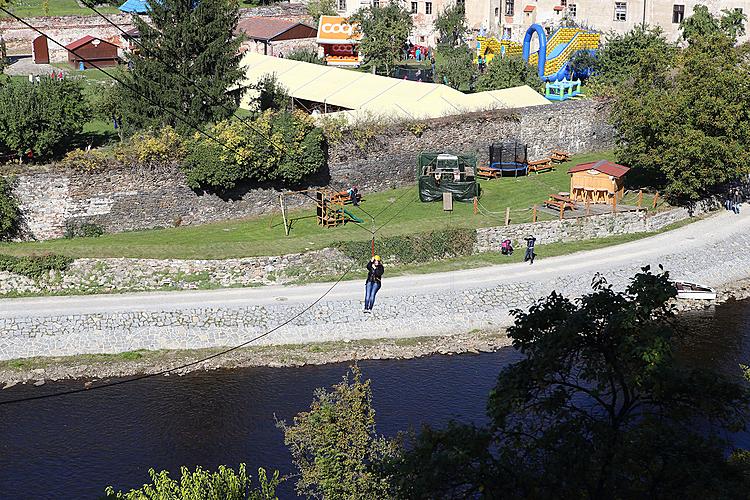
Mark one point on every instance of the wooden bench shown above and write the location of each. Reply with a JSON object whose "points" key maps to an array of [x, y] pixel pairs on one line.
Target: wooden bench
{"points": [[489, 173], [559, 156], [543, 165], [560, 202]]}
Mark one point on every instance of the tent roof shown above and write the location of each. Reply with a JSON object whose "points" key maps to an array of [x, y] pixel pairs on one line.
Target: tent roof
{"points": [[135, 6], [366, 94], [603, 166]]}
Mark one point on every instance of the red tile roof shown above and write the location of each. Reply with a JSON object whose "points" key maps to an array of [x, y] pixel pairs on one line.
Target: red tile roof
{"points": [[558, 8], [529, 8], [81, 42], [266, 28], [603, 166]]}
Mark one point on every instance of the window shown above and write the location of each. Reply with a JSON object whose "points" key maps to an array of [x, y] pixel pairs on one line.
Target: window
{"points": [[428, 7], [414, 7], [621, 11], [509, 7], [572, 10], [563, 3], [462, 3], [507, 32], [497, 12], [342, 4], [376, 3], [678, 14]]}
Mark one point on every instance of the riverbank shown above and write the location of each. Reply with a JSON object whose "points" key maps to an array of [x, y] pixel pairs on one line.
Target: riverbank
{"points": [[91, 367]]}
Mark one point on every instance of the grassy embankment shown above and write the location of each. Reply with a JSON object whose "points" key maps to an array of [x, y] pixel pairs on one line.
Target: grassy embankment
{"points": [[400, 211], [35, 8]]}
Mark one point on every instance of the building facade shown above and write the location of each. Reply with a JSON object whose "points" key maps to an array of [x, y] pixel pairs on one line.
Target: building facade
{"points": [[511, 18]]}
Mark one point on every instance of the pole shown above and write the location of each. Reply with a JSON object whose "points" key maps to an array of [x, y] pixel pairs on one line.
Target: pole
{"points": [[562, 209], [640, 197], [283, 214], [588, 207], [656, 197], [614, 204], [533, 214], [507, 216], [476, 205]]}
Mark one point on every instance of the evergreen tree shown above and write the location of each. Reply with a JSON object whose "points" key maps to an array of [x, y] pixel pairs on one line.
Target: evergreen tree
{"points": [[188, 61]]}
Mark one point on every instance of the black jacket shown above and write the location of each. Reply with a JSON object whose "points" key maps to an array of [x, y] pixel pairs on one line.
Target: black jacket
{"points": [[374, 273]]}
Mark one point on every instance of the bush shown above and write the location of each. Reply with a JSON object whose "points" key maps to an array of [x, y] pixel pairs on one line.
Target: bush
{"points": [[307, 55], [82, 229], [35, 267], [280, 147], [507, 72], [10, 215], [43, 117], [419, 247], [85, 161], [164, 145]]}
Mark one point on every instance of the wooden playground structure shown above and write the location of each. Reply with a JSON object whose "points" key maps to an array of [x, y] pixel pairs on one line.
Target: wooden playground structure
{"points": [[330, 208]]}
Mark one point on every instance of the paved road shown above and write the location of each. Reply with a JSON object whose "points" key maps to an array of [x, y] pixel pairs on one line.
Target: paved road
{"points": [[714, 251], [705, 237]]}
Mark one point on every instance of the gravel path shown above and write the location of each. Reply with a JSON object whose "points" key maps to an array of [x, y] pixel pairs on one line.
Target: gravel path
{"points": [[715, 251]]}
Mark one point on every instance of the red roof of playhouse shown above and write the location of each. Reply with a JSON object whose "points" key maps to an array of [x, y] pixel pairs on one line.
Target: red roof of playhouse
{"points": [[603, 166], [83, 41], [558, 8], [529, 8]]}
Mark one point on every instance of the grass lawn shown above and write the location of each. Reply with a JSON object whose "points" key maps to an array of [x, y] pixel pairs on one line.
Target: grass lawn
{"points": [[33, 8], [399, 211]]}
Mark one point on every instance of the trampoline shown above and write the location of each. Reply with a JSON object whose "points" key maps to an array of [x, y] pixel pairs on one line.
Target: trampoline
{"points": [[509, 157]]}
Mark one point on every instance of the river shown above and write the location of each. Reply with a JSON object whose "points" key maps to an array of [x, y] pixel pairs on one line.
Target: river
{"points": [[72, 447]]}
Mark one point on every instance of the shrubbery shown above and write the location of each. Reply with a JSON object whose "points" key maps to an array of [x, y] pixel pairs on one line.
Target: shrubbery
{"points": [[35, 267], [419, 247], [9, 212], [79, 229], [41, 117], [280, 147]]}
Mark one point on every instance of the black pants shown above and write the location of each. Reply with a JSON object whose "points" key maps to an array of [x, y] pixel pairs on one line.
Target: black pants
{"points": [[529, 254]]}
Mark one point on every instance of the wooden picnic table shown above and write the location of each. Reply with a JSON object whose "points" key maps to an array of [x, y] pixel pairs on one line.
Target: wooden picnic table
{"points": [[560, 202]]}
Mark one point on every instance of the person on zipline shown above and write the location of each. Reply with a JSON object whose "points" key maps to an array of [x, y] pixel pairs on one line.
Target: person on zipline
{"points": [[372, 285]]}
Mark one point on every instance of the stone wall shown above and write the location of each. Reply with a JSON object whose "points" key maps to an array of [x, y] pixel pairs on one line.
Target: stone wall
{"points": [[390, 156], [128, 198]]}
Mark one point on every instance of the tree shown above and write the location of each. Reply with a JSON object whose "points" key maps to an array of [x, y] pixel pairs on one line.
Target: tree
{"points": [[271, 94], [455, 67], [189, 60], [3, 55], [506, 72], [318, 8], [451, 25], [224, 484], [384, 33], [597, 408], [305, 55], [335, 445], [642, 55], [43, 118], [10, 214], [702, 23], [686, 133]]}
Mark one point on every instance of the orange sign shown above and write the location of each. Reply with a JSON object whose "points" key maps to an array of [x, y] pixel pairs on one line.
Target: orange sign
{"points": [[335, 30]]}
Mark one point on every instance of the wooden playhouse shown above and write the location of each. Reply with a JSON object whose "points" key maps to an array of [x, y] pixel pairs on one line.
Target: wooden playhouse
{"points": [[597, 182]]}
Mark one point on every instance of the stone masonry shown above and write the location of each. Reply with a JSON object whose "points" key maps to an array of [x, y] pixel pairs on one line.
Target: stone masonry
{"points": [[125, 198]]}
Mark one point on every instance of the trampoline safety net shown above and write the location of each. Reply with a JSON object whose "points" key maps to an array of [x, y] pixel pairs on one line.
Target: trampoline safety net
{"points": [[508, 155]]}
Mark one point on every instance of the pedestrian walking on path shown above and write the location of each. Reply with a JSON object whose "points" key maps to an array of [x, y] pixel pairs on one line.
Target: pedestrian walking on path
{"points": [[530, 241], [375, 272]]}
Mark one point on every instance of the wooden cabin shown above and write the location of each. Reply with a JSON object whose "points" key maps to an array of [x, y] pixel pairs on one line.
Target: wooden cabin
{"points": [[597, 181], [92, 52]]}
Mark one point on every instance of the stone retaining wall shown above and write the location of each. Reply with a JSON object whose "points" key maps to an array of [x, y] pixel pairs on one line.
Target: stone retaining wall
{"points": [[125, 198]]}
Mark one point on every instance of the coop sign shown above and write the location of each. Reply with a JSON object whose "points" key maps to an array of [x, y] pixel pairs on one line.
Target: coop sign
{"points": [[336, 30]]}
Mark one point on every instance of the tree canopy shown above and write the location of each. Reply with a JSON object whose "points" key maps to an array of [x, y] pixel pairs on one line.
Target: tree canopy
{"points": [[384, 33], [318, 8], [190, 57], [451, 25], [454, 67], [506, 72], [598, 408], [702, 23]]}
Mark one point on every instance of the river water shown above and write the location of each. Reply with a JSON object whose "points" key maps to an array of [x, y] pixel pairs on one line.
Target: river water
{"points": [[72, 447]]}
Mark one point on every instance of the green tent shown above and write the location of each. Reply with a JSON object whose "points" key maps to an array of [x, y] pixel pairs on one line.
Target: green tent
{"points": [[439, 173]]}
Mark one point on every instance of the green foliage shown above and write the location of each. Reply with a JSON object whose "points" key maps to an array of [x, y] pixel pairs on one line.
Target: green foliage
{"points": [[451, 25], [704, 24], [224, 484], [335, 445], [82, 229], [296, 150], [271, 94], [184, 42], [418, 247], [455, 67], [10, 214], [384, 32], [318, 8], [93, 160], [35, 267], [686, 133], [642, 55], [3, 55], [44, 118], [305, 55], [506, 72], [597, 408]]}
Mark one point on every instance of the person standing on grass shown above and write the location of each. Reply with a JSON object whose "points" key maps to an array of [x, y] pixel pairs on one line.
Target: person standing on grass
{"points": [[530, 241], [375, 272]]}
